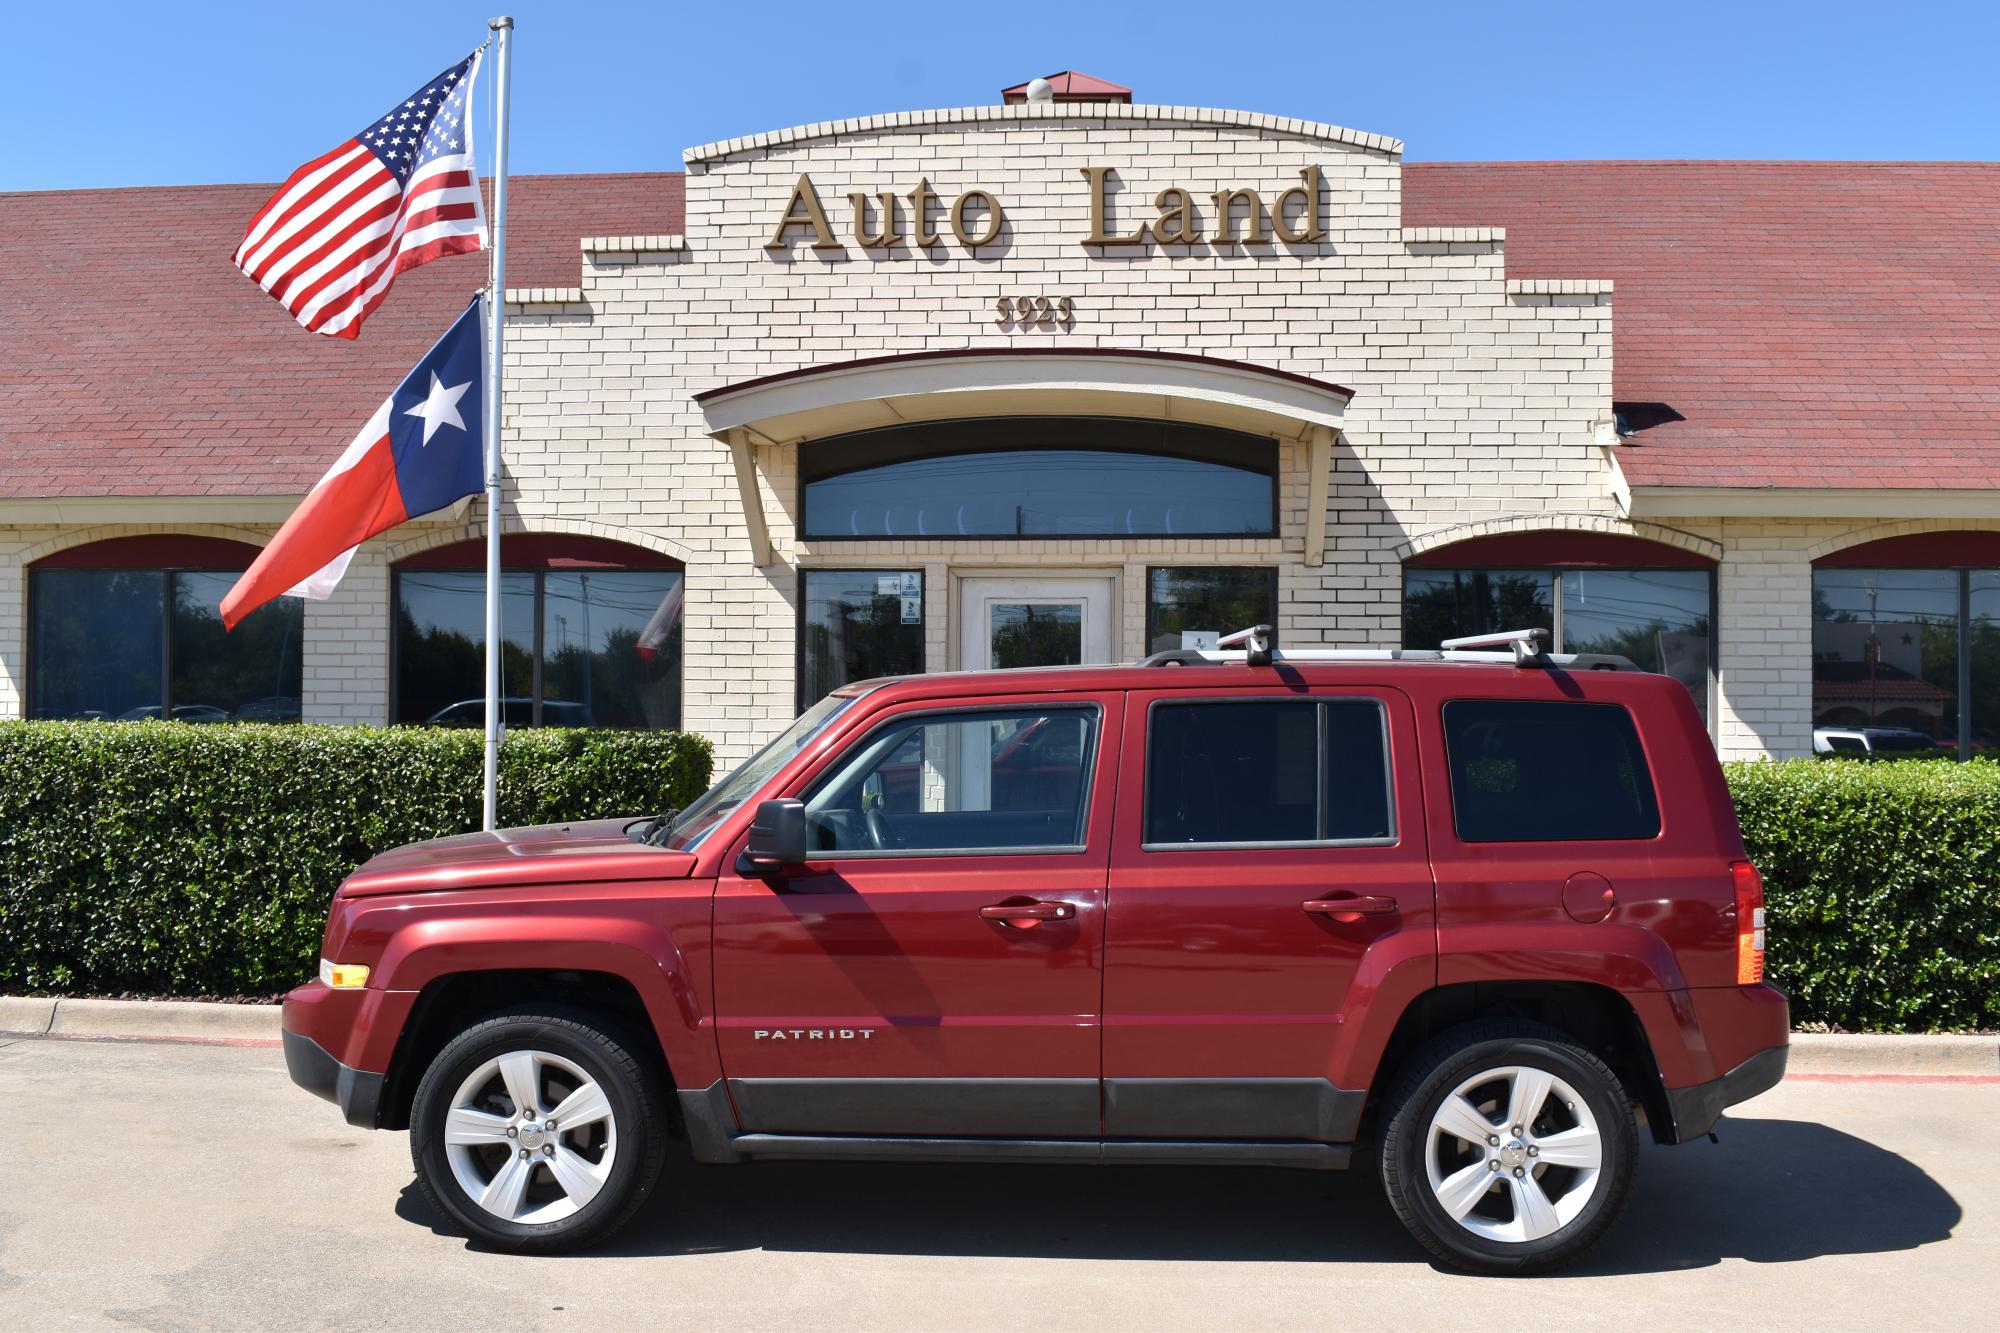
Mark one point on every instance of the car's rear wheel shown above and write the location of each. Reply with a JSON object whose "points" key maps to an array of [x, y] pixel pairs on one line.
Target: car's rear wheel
{"points": [[1509, 1148], [538, 1131]]}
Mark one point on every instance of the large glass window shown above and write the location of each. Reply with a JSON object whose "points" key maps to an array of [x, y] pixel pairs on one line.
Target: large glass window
{"points": [[1440, 604], [251, 673], [128, 644], [1266, 771], [855, 624], [1040, 477], [583, 643], [958, 782], [1886, 651], [1983, 668], [1192, 606], [1528, 771], [441, 648], [1657, 617]]}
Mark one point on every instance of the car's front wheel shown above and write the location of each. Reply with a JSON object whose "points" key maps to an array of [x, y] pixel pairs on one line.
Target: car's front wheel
{"points": [[1509, 1148], [538, 1132]]}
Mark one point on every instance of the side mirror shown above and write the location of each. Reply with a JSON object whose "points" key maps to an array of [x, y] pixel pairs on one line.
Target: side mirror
{"points": [[777, 838]]}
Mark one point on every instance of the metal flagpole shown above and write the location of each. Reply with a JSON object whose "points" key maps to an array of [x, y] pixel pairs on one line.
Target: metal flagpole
{"points": [[496, 311]]}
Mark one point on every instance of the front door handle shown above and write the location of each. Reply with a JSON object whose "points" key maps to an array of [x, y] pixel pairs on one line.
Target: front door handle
{"points": [[1028, 913], [1351, 908]]}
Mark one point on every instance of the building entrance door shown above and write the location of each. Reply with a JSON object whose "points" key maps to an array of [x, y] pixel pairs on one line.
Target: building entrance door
{"points": [[1020, 622]]}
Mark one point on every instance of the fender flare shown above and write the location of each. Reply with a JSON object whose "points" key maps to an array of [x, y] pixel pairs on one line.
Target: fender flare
{"points": [[1396, 973], [644, 955]]}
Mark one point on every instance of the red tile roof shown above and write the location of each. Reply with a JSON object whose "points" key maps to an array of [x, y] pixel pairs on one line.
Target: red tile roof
{"points": [[1814, 324], [134, 360]]}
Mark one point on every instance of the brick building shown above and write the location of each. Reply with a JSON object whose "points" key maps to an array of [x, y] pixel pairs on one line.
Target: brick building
{"points": [[1045, 381]]}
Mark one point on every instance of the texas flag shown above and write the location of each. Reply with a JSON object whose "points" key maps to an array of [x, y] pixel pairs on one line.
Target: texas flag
{"points": [[418, 453]]}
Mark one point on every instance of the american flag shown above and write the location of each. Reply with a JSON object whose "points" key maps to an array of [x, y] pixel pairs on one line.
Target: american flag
{"points": [[401, 193]]}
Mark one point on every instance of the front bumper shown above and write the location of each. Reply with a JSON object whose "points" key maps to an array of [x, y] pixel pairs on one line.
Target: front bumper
{"points": [[356, 1092], [1696, 1109]]}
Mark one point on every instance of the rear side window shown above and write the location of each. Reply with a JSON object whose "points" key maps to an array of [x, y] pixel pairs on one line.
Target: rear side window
{"points": [[1222, 772], [1524, 771]]}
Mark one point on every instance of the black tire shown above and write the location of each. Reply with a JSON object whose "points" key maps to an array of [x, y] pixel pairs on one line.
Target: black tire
{"points": [[631, 1086], [1420, 1091]]}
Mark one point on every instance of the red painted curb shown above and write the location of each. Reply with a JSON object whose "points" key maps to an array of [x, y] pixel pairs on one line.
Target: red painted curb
{"points": [[1892, 1078], [260, 1043]]}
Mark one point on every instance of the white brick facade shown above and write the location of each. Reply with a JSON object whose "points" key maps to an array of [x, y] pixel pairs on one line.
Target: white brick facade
{"points": [[1476, 398]]}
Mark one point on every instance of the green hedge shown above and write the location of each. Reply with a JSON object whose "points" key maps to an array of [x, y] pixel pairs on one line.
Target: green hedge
{"points": [[165, 858], [1882, 885]]}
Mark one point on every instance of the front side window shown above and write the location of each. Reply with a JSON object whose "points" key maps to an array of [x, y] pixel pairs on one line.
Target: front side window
{"points": [[579, 647], [856, 624], [1000, 780], [1531, 771], [1040, 477], [132, 644], [1659, 618], [1193, 606], [1266, 771]]}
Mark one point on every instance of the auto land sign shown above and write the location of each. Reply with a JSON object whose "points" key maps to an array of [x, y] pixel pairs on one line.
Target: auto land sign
{"points": [[881, 221]]}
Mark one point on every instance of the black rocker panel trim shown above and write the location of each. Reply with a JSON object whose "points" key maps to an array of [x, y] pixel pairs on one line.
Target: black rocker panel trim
{"points": [[1231, 1108], [1088, 1152], [1061, 1108]]}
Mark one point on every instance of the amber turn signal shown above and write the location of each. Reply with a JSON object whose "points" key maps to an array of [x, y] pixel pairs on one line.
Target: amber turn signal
{"points": [[343, 976]]}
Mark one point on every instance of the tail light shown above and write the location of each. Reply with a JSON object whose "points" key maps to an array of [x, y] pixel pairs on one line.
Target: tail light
{"points": [[1749, 923]]}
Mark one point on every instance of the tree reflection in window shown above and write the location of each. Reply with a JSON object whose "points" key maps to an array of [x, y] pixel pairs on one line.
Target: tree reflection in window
{"points": [[1040, 477]]}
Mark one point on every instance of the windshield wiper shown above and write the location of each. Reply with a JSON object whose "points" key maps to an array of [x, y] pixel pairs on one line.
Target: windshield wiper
{"points": [[655, 831]]}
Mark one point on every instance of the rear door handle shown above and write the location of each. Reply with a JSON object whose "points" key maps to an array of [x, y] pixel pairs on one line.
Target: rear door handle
{"points": [[1351, 908], [1026, 915]]}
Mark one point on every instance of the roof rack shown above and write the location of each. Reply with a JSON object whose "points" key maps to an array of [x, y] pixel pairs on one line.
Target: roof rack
{"points": [[1523, 648]]}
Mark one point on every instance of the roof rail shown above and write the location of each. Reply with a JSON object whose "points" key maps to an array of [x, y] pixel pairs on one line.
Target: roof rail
{"points": [[1527, 645], [1524, 648]]}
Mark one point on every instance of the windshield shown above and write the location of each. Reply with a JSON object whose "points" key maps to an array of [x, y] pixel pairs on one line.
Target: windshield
{"points": [[700, 819]]}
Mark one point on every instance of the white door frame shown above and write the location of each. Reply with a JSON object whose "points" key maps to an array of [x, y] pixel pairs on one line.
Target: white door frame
{"points": [[975, 595]]}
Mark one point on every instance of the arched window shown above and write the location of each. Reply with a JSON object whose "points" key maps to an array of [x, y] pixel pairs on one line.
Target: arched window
{"points": [[1595, 593], [591, 634], [1906, 636], [1040, 477], [131, 628]]}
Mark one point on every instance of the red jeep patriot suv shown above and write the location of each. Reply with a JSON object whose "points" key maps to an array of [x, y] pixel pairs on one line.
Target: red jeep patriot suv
{"points": [[1479, 913]]}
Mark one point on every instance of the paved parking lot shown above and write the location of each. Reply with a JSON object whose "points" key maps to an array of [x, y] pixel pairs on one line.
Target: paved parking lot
{"points": [[192, 1187]]}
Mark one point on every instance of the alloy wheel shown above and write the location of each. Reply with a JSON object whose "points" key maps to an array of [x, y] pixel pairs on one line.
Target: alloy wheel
{"points": [[1513, 1154], [530, 1137]]}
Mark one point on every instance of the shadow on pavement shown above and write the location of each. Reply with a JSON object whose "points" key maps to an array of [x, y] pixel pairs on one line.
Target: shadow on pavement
{"points": [[1773, 1191]]}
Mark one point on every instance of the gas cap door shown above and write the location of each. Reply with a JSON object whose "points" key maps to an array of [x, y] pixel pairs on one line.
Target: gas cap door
{"points": [[1588, 897]]}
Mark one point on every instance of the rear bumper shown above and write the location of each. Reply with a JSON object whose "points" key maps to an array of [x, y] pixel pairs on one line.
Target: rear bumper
{"points": [[1696, 1109], [356, 1092]]}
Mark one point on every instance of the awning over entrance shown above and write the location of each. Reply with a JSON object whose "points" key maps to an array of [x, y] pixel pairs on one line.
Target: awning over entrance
{"points": [[860, 395]]}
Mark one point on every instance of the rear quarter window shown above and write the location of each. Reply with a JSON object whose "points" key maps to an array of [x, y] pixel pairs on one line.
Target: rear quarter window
{"points": [[1532, 771]]}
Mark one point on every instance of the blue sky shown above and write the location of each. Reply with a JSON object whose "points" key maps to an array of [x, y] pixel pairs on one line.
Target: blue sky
{"points": [[117, 94]]}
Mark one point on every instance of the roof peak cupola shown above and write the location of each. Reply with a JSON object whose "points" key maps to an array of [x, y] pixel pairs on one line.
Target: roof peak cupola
{"points": [[1067, 86]]}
